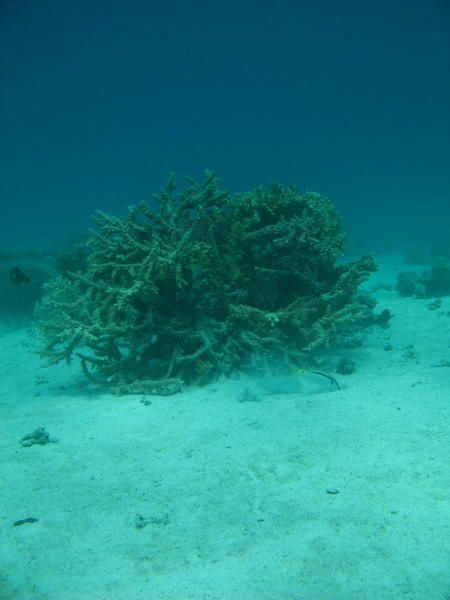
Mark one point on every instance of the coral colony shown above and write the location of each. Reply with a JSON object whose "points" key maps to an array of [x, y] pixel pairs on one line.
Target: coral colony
{"points": [[206, 283]]}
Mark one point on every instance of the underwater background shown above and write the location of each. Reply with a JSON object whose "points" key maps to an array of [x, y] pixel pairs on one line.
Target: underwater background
{"points": [[225, 392], [101, 100]]}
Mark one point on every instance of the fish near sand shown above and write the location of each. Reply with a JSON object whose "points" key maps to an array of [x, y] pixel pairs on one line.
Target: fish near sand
{"points": [[299, 382]]}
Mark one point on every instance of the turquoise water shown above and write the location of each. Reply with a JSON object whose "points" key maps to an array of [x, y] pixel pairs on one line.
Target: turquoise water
{"points": [[100, 101], [311, 474]]}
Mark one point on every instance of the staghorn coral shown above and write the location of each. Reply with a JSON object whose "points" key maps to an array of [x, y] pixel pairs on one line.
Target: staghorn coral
{"points": [[186, 293]]}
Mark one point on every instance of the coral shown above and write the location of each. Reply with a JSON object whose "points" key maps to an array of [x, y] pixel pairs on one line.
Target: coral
{"points": [[407, 282], [429, 283], [436, 280], [72, 258], [210, 281]]}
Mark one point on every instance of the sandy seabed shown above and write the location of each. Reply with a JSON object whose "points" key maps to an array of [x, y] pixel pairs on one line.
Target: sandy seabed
{"points": [[201, 497]]}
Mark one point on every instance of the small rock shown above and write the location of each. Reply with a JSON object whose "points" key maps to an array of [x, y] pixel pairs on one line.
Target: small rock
{"points": [[437, 303], [247, 395], [140, 522], [25, 520], [345, 366], [383, 318], [39, 436]]}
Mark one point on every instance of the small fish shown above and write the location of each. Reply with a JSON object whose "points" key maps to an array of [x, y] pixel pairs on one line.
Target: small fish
{"points": [[333, 385], [17, 276], [299, 382]]}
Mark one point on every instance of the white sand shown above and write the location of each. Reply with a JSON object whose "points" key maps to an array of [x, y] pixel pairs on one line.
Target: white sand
{"points": [[235, 493]]}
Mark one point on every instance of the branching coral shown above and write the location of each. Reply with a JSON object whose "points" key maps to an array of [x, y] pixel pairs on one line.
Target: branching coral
{"points": [[183, 294]]}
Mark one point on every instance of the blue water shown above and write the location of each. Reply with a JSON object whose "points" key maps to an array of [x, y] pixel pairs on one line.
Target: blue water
{"points": [[100, 100]]}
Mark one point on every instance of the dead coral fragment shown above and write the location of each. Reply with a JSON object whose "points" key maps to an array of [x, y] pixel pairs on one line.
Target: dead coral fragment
{"points": [[39, 437], [183, 294]]}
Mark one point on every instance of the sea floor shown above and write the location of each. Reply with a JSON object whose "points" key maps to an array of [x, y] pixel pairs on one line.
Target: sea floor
{"points": [[333, 496]]}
